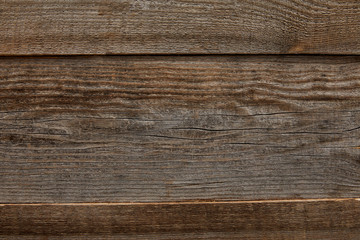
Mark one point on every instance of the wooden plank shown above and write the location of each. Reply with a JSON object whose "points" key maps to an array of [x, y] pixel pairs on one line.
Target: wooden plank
{"points": [[233, 220], [253, 235], [179, 26], [139, 129]]}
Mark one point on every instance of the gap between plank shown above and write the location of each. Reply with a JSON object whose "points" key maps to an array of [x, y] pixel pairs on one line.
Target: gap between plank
{"points": [[174, 55], [184, 202]]}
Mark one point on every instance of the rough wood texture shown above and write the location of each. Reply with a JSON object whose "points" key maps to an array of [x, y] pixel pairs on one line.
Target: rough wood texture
{"points": [[179, 26], [251, 235], [237, 220], [124, 129]]}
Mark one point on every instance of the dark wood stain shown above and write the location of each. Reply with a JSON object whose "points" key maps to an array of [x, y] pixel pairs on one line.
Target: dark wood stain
{"points": [[236, 220]]}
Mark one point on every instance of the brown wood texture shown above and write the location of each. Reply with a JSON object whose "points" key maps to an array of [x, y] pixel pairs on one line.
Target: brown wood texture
{"points": [[149, 129], [327, 234], [179, 26], [236, 220]]}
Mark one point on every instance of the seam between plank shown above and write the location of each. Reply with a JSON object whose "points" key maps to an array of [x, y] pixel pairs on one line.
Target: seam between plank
{"points": [[181, 202]]}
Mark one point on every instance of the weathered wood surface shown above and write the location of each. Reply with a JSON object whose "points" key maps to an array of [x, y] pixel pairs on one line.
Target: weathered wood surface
{"points": [[125, 129], [327, 234], [179, 26], [236, 220]]}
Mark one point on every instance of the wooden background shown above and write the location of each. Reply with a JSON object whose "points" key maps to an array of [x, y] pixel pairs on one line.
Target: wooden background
{"points": [[181, 119]]}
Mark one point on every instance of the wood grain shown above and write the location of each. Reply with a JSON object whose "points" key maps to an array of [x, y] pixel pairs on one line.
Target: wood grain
{"points": [[236, 220], [149, 129], [251, 235], [179, 26]]}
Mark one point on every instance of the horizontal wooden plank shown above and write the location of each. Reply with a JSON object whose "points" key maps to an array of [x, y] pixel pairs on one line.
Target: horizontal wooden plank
{"points": [[252, 235], [179, 26], [233, 220], [125, 129]]}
